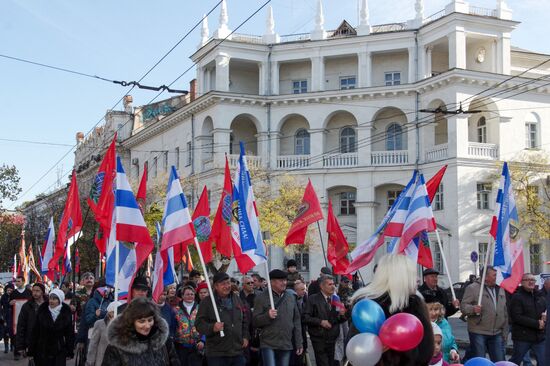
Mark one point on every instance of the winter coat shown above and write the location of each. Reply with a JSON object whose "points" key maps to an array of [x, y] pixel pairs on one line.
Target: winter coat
{"points": [[278, 333], [26, 294], [422, 354], [186, 331], [6, 314], [526, 309], [438, 295], [492, 320], [25, 324], [235, 327], [96, 302], [169, 315], [126, 348], [318, 309], [292, 277], [448, 340], [98, 343], [52, 339]]}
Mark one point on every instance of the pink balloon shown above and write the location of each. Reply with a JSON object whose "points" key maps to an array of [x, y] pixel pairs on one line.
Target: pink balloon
{"points": [[401, 332]]}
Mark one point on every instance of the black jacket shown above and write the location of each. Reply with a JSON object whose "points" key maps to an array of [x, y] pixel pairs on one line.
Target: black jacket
{"points": [[526, 309], [419, 356], [235, 327], [52, 339], [318, 309], [126, 348], [25, 324], [438, 295]]}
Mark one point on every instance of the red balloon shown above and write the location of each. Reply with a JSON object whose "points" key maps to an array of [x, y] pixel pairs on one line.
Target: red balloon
{"points": [[401, 332]]}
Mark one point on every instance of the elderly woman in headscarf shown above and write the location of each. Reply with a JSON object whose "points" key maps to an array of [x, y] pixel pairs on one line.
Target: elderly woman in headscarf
{"points": [[393, 287], [53, 333], [98, 342]]}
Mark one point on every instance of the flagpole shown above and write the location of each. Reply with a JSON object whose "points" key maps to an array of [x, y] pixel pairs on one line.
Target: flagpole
{"points": [[444, 262], [484, 274], [269, 286], [210, 292], [322, 245]]}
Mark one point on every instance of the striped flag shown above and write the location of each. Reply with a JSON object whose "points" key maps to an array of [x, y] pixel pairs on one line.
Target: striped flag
{"points": [[32, 264], [177, 226], [250, 243], [169, 270], [47, 250], [158, 287]]}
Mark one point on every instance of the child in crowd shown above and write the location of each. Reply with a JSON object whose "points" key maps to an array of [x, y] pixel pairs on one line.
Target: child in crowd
{"points": [[449, 346], [437, 359]]}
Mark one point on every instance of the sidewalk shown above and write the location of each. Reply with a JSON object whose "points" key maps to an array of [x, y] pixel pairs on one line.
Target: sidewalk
{"points": [[6, 359]]}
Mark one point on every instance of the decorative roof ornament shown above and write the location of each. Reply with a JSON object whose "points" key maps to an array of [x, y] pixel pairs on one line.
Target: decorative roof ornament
{"points": [[419, 8], [364, 27], [270, 36], [319, 31], [223, 30], [204, 31], [503, 11]]}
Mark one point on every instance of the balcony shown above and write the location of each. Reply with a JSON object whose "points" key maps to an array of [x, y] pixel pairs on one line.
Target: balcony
{"points": [[292, 161], [252, 161], [394, 157], [438, 152], [482, 151], [340, 160]]}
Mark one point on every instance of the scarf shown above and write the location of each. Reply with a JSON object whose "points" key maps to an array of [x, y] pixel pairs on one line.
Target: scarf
{"points": [[188, 306], [55, 311]]}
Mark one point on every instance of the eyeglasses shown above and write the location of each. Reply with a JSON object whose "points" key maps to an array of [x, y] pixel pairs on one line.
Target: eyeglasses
{"points": [[249, 283]]}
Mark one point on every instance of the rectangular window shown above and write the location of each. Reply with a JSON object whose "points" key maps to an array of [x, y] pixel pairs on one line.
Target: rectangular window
{"points": [[146, 167], [165, 161], [531, 135], [347, 82], [438, 262], [535, 258], [392, 78], [302, 261], [299, 86], [155, 165], [482, 251], [438, 199], [189, 154], [177, 157], [347, 203], [392, 196], [483, 196], [137, 172]]}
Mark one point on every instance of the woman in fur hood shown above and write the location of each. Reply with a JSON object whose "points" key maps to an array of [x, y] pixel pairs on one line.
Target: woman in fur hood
{"points": [[139, 336]]}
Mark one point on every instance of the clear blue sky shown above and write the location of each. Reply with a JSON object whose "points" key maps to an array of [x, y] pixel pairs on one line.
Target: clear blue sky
{"points": [[122, 39]]}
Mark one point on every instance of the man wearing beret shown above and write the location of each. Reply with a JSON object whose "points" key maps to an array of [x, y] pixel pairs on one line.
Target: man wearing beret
{"points": [[226, 350], [280, 328], [433, 293]]}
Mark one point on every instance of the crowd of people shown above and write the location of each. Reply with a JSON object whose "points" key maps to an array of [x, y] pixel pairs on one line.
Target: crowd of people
{"points": [[254, 327]]}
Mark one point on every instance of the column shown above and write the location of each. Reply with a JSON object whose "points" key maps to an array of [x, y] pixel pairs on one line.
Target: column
{"points": [[262, 139], [222, 72], [411, 136], [275, 65], [275, 138], [494, 67], [364, 69], [457, 134], [364, 150], [366, 215], [221, 146], [203, 156], [200, 81], [317, 73], [428, 55], [457, 49], [207, 80], [263, 77], [317, 137], [503, 54], [412, 65]]}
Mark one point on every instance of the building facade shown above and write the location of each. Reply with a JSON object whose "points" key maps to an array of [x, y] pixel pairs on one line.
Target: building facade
{"points": [[356, 110]]}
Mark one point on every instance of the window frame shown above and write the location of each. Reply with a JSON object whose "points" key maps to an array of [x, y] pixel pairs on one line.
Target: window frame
{"points": [[346, 79], [439, 201], [394, 138], [189, 160], [177, 157], [535, 258], [305, 142], [348, 142], [531, 137], [392, 80], [389, 197], [483, 195], [481, 130], [299, 89], [347, 203]]}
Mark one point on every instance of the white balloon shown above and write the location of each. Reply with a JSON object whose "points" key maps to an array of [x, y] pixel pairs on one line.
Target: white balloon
{"points": [[364, 349]]}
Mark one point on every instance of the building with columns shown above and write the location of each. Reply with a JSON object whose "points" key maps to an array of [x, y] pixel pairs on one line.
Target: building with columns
{"points": [[357, 109]]}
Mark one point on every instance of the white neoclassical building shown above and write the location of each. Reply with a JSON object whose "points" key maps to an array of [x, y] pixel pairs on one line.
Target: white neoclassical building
{"points": [[357, 109]]}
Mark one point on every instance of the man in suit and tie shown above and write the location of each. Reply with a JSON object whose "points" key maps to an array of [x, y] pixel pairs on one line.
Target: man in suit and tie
{"points": [[323, 320]]}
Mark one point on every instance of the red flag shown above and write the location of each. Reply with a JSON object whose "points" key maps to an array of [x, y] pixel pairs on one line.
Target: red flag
{"points": [[433, 184], [221, 228], [100, 240], [188, 262], [511, 283], [201, 221], [141, 195], [338, 247], [70, 225], [23, 269], [101, 197], [32, 265], [308, 213]]}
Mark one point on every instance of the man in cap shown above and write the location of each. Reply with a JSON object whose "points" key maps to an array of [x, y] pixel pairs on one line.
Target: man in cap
{"points": [[140, 288], [227, 350], [27, 318], [433, 293], [293, 274], [195, 276], [314, 287], [281, 326]]}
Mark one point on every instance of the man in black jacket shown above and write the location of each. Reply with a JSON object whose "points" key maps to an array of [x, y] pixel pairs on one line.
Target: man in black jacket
{"points": [[433, 293], [27, 318], [323, 319], [20, 293], [528, 322], [227, 350]]}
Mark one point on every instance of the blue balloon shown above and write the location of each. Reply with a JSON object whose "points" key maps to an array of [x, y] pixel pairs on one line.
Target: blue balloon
{"points": [[367, 316], [479, 361]]}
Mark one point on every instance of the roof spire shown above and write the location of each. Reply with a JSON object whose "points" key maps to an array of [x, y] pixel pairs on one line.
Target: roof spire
{"points": [[364, 26], [319, 31], [419, 8], [270, 36], [223, 30], [204, 31]]}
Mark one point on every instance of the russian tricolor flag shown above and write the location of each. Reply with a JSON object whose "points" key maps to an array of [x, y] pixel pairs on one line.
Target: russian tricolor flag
{"points": [[47, 250]]}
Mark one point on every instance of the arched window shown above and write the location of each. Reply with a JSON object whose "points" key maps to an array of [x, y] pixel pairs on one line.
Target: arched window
{"points": [[231, 141], [394, 137], [531, 131], [347, 140], [482, 130], [301, 142]]}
